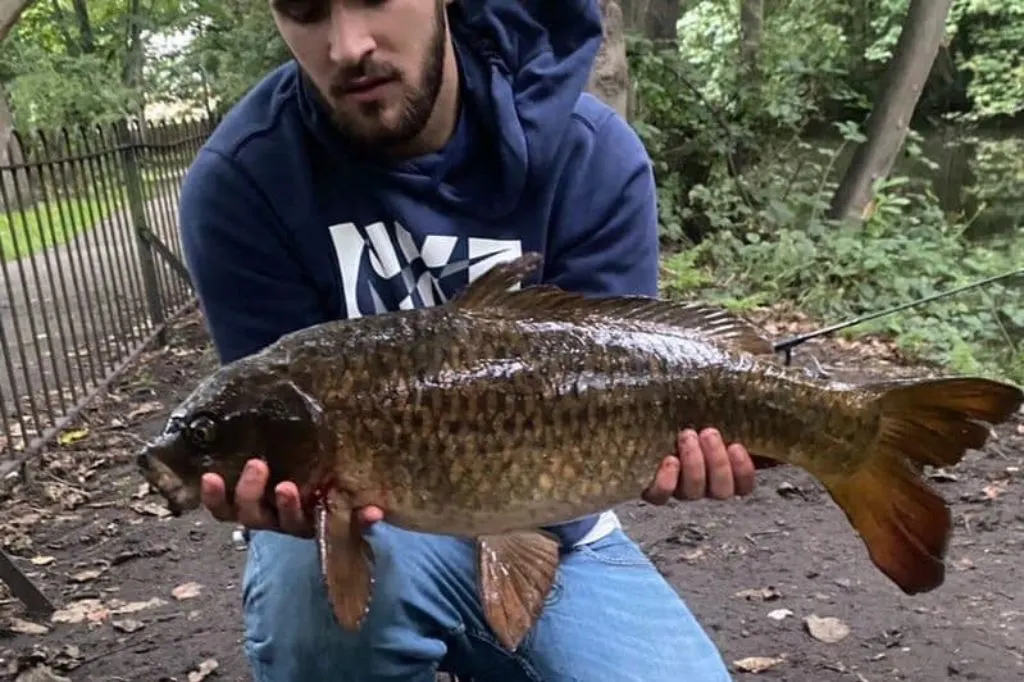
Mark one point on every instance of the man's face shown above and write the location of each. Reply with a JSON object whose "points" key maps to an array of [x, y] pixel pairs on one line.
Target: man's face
{"points": [[377, 63]]}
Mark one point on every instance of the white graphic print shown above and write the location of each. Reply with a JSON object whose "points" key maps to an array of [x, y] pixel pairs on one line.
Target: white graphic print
{"points": [[399, 269], [394, 259]]}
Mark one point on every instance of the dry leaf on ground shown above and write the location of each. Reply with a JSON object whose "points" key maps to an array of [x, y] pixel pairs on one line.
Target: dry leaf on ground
{"points": [[128, 625], [186, 591], [27, 627], [40, 673], [759, 594], [150, 509], [826, 629], [86, 575], [119, 608], [757, 664], [205, 669], [145, 408], [92, 610]]}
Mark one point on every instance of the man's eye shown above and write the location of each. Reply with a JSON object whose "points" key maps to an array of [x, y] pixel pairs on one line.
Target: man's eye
{"points": [[303, 11]]}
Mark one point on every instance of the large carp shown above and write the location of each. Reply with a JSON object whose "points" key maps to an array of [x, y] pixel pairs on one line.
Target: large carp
{"points": [[508, 409]]}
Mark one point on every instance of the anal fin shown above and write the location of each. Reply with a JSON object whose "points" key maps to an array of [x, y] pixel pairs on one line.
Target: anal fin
{"points": [[345, 560], [516, 573]]}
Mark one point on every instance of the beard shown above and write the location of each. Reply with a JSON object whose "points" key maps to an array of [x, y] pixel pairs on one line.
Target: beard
{"points": [[363, 125]]}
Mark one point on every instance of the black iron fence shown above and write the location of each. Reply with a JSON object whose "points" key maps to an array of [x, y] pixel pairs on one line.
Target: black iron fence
{"points": [[90, 265]]}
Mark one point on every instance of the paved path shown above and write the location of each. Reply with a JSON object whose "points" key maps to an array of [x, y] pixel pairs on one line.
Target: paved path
{"points": [[69, 314]]}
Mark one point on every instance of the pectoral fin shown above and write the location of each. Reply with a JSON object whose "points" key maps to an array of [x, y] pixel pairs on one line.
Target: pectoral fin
{"points": [[345, 560], [516, 572]]}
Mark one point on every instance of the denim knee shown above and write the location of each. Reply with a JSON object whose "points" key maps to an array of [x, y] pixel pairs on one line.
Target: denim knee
{"points": [[288, 623], [290, 630]]}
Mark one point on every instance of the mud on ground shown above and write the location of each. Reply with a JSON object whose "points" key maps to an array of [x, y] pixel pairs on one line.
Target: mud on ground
{"points": [[778, 578]]}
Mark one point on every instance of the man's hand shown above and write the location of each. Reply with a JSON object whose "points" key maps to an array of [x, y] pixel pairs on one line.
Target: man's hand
{"points": [[286, 516], [703, 467]]}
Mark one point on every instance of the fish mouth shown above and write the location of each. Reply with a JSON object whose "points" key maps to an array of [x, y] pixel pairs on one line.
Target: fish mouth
{"points": [[179, 496]]}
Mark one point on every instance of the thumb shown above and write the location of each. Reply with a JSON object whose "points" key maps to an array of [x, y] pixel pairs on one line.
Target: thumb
{"points": [[369, 515]]}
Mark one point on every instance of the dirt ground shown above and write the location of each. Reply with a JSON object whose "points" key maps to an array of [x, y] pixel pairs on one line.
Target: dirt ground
{"points": [[143, 597]]}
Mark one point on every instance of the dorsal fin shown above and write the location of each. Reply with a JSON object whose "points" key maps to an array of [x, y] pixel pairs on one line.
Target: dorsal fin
{"points": [[495, 283], [490, 296]]}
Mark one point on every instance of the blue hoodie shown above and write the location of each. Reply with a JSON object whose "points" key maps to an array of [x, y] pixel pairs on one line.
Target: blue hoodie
{"points": [[284, 227]]}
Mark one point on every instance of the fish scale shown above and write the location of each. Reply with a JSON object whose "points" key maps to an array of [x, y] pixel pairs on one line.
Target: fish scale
{"points": [[505, 411], [602, 391]]}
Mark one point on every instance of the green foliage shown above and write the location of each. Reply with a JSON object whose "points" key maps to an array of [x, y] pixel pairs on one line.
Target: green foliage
{"points": [[58, 68], [746, 172], [230, 48], [747, 152], [992, 32]]}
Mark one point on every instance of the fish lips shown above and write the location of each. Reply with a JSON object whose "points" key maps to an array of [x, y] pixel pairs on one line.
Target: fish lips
{"points": [[181, 495]]}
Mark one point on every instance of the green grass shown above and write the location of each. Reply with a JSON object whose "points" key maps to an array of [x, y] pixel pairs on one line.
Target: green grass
{"points": [[56, 222], [48, 224]]}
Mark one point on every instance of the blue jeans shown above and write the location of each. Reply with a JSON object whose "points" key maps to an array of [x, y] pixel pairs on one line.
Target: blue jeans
{"points": [[611, 617]]}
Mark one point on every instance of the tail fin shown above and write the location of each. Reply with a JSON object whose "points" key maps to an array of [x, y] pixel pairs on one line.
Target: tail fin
{"points": [[903, 522]]}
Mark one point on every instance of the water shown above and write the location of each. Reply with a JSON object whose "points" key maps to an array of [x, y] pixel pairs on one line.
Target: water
{"points": [[978, 174]]}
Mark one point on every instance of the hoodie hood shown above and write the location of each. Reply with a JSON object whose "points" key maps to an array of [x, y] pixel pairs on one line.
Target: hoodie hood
{"points": [[523, 65]]}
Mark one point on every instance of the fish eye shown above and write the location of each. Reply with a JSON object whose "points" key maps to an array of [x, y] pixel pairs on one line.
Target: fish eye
{"points": [[202, 431]]}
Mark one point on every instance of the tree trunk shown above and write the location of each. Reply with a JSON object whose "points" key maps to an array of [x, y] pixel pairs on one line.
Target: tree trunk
{"points": [[609, 80], [13, 183], [748, 93], [10, 12], [751, 22], [134, 59], [923, 30]]}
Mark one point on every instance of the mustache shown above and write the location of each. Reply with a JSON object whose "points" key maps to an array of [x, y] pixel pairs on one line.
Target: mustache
{"points": [[341, 82]]}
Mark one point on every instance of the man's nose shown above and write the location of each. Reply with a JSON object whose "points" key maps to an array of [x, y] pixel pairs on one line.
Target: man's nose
{"points": [[350, 36]]}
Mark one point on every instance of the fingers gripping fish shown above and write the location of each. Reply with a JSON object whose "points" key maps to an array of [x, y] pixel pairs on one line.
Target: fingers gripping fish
{"points": [[506, 410]]}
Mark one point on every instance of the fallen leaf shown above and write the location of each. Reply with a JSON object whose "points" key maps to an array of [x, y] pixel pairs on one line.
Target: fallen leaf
{"points": [[86, 576], [150, 509], [994, 490], [828, 629], [142, 491], [759, 594], [128, 625], [72, 436], [145, 408], [42, 560], [204, 670], [756, 664], [67, 497], [27, 627], [692, 555], [963, 564], [91, 610], [942, 476], [780, 614], [121, 609], [40, 673], [186, 591]]}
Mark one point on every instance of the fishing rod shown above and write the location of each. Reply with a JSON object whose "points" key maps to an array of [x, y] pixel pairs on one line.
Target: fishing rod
{"points": [[787, 345]]}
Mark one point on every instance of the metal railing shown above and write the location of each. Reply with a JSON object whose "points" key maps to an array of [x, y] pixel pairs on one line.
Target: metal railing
{"points": [[90, 265]]}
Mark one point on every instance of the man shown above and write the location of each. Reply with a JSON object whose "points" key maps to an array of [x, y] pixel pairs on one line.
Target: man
{"points": [[410, 146]]}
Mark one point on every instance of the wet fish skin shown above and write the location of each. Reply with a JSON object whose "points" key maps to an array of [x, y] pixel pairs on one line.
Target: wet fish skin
{"points": [[501, 412]]}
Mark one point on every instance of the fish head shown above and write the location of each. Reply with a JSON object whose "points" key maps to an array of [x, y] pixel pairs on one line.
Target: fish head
{"points": [[233, 416]]}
